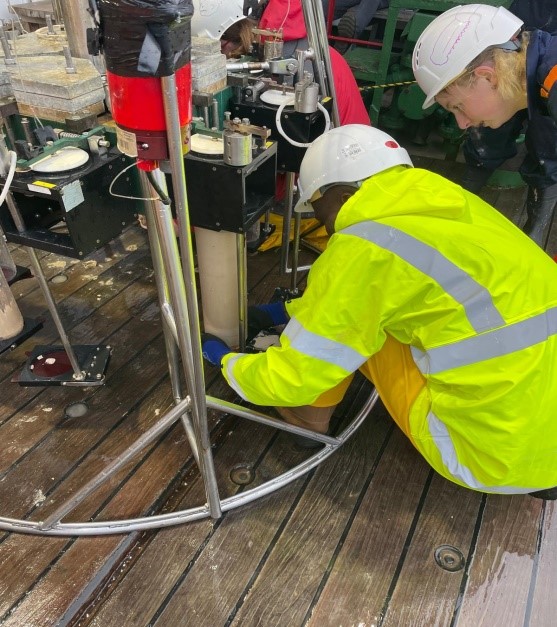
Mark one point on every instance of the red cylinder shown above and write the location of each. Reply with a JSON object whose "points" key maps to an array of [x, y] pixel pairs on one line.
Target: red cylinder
{"points": [[137, 103]]}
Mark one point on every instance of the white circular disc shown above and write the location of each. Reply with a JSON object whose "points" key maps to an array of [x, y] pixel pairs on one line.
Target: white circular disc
{"points": [[64, 159], [276, 97], [205, 145]]}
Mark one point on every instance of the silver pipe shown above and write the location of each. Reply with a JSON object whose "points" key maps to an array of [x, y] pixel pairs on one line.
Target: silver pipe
{"points": [[70, 65], [215, 114], [296, 250], [243, 412], [241, 258], [26, 126], [238, 66], [8, 55], [184, 293], [288, 204], [149, 436], [79, 374], [168, 321], [49, 26], [76, 20], [317, 38], [159, 521]]}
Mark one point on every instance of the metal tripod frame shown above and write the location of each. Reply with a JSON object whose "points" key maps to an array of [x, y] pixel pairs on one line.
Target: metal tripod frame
{"points": [[178, 300]]}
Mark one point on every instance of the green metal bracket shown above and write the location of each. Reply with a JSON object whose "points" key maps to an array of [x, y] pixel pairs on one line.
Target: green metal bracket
{"points": [[79, 141]]}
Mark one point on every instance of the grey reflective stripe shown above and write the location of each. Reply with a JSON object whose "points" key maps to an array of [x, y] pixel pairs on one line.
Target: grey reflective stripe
{"points": [[476, 300], [322, 348], [509, 339], [232, 381], [462, 473]]}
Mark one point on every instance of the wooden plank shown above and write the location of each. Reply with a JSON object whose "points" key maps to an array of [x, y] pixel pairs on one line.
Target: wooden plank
{"points": [[90, 298], [157, 568], [64, 447], [43, 604], [501, 570], [158, 560], [33, 304], [83, 557], [23, 426], [355, 589], [238, 553], [42, 596], [448, 517], [542, 610], [223, 557], [286, 583]]}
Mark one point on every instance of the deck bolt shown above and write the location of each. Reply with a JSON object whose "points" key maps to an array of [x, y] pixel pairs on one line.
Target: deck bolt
{"points": [[242, 474], [449, 558]]}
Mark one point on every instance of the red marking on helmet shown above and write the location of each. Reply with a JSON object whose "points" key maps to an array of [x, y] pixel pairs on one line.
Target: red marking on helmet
{"points": [[391, 144]]}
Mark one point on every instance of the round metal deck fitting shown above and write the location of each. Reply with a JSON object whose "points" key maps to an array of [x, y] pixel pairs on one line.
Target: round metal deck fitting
{"points": [[59, 278], [242, 474], [76, 410], [449, 558]]}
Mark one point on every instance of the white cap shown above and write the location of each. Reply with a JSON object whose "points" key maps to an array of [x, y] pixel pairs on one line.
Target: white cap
{"points": [[454, 39], [211, 18], [346, 154]]}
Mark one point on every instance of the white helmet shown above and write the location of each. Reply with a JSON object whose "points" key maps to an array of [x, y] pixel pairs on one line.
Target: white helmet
{"points": [[212, 17], [346, 154], [454, 39]]}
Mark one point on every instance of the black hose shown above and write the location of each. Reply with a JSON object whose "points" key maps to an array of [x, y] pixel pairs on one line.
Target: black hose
{"points": [[164, 198]]}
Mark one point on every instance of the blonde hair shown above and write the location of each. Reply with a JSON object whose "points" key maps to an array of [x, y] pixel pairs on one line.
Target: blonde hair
{"points": [[510, 68], [241, 34]]}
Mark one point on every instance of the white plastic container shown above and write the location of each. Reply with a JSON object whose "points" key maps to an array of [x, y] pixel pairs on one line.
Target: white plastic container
{"points": [[218, 279]]}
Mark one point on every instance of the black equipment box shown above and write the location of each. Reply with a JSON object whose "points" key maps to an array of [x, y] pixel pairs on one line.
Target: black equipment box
{"points": [[79, 198], [223, 197]]}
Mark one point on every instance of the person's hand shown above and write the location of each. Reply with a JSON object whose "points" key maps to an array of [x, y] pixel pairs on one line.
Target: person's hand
{"points": [[213, 348], [262, 317]]}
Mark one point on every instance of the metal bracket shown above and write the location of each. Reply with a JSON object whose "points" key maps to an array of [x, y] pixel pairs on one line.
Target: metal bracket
{"points": [[92, 360]]}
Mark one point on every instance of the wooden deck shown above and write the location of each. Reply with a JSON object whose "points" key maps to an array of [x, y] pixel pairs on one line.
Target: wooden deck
{"points": [[352, 543]]}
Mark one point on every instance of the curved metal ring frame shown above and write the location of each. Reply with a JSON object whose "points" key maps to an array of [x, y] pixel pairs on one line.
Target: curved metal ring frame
{"points": [[175, 274]]}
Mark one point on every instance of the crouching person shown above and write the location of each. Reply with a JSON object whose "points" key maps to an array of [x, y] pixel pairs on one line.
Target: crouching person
{"points": [[446, 306]]}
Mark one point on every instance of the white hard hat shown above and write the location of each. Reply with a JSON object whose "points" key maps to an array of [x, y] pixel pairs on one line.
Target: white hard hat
{"points": [[212, 17], [454, 39], [346, 154]]}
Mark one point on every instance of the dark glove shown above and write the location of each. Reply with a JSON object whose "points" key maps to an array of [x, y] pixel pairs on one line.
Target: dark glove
{"points": [[262, 317], [213, 348]]}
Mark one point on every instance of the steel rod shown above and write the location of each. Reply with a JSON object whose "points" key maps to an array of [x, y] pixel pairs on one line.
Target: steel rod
{"points": [[243, 412], [168, 321], [79, 375], [318, 41], [241, 258], [149, 436], [195, 513], [184, 293]]}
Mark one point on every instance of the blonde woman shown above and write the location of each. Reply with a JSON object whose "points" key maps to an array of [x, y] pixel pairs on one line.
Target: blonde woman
{"points": [[475, 62]]}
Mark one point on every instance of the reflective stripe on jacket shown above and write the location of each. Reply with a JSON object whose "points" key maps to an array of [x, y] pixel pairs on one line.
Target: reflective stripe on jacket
{"points": [[416, 257]]}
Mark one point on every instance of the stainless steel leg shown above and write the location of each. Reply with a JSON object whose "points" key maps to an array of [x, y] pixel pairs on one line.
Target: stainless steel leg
{"points": [[184, 294], [241, 257], [286, 218], [168, 321], [78, 375]]}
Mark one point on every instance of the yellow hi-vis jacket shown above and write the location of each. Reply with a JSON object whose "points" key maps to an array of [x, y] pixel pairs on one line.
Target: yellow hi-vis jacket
{"points": [[418, 258]]}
